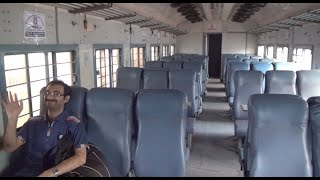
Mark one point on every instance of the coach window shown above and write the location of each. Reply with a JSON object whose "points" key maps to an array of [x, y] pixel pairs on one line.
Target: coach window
{"points": [[269, 52], [155, 52], [137, 56], [303, 57], [261, 51], [27, 69], [107, 62], [165, 50], [282, 53], [172, 50]]}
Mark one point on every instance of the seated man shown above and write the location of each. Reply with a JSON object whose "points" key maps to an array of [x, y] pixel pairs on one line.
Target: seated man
{"points": [[40, 134]]}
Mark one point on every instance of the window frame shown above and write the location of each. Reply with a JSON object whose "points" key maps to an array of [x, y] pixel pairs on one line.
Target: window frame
{"points": [[155, 45], [168, 50], [304, 46], [110, 47], [174, 48], [282, 46], [144, 53], [28, 49], [264, 50]]}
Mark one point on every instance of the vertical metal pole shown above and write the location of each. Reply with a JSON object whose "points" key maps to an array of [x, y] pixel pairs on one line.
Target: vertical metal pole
{"points": [[56, 17]]}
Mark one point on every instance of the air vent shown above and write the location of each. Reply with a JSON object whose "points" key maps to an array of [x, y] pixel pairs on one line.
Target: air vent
{"points": [[188, 10], [246, 10]]}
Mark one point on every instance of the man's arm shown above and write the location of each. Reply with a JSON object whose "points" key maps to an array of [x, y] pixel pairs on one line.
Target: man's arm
{"points": [[10, 140], [12, 109], [78, 159]]}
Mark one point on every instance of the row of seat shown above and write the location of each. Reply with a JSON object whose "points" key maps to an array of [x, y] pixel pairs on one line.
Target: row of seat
{"points": [[261, 66], [305, 83], [244, 56], [282, 139], [258, 66], [183, 80], [171, 65], [157, 147], [247, 83], [139, 78], [238, 58], [190, 58]]}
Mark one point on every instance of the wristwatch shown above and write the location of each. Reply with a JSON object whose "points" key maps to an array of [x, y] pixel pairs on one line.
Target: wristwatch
{"points": [[55, 171]]}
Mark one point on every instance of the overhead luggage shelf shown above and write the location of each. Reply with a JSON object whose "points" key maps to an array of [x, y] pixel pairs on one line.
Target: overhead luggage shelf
{"points": [[308, 17], [109, 12]]}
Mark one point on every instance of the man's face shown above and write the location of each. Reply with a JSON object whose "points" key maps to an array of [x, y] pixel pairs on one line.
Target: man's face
{"points": [[54, 97]]}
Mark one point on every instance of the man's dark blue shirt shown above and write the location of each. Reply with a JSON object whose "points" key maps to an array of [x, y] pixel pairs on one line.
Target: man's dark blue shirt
{"points": [[41, 136]]}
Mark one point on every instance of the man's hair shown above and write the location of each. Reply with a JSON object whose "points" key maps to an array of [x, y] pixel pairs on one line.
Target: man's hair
{"points": [[67, 88]]}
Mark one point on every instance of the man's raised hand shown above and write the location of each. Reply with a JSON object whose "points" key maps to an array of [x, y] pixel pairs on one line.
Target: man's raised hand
{"points": [[12, 107]]}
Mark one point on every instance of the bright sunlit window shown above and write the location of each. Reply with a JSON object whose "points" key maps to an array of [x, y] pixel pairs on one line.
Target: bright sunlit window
{"points": [[282, 54], [303, 58], [165, 51], [26, 75], [269, 52], [137, 57], [261, 51], [171, 50], [154, 53], [115, 65], [107, 64]]}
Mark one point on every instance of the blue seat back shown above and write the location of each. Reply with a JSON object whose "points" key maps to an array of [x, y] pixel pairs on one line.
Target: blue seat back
{"points": [[280, 82], [266, 60], [130, 78], [177, 56], [283, 66], [167, 58], [243, 57], [273, 120], [255, 57], [235, 66], [161, 133], [110, 119], [261, 66], [246, 84], [154, 64], [185, 80], [173, 65], [230, 60], [314, 133], [197, 67], [248, 61], [223, 64], [155, 79], [308, 83]]}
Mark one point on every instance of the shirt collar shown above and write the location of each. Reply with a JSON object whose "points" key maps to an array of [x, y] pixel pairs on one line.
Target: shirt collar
{"points": [[61, 116]]}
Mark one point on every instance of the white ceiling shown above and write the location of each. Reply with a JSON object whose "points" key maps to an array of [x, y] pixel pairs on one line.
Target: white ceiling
{"points": [[162, 12], [273, 12]]}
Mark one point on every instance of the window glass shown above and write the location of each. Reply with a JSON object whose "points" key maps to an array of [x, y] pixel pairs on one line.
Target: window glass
{"points": [[26, 75], [282, 54], [270, 52], [261, 51], [303, 58]]}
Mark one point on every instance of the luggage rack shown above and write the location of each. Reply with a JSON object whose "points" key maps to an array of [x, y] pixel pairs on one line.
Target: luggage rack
{"points": [[110, 12], [308, 17]]}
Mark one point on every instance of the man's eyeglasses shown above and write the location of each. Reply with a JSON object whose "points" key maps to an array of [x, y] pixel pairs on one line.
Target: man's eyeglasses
{"points": [[53, 94]]}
